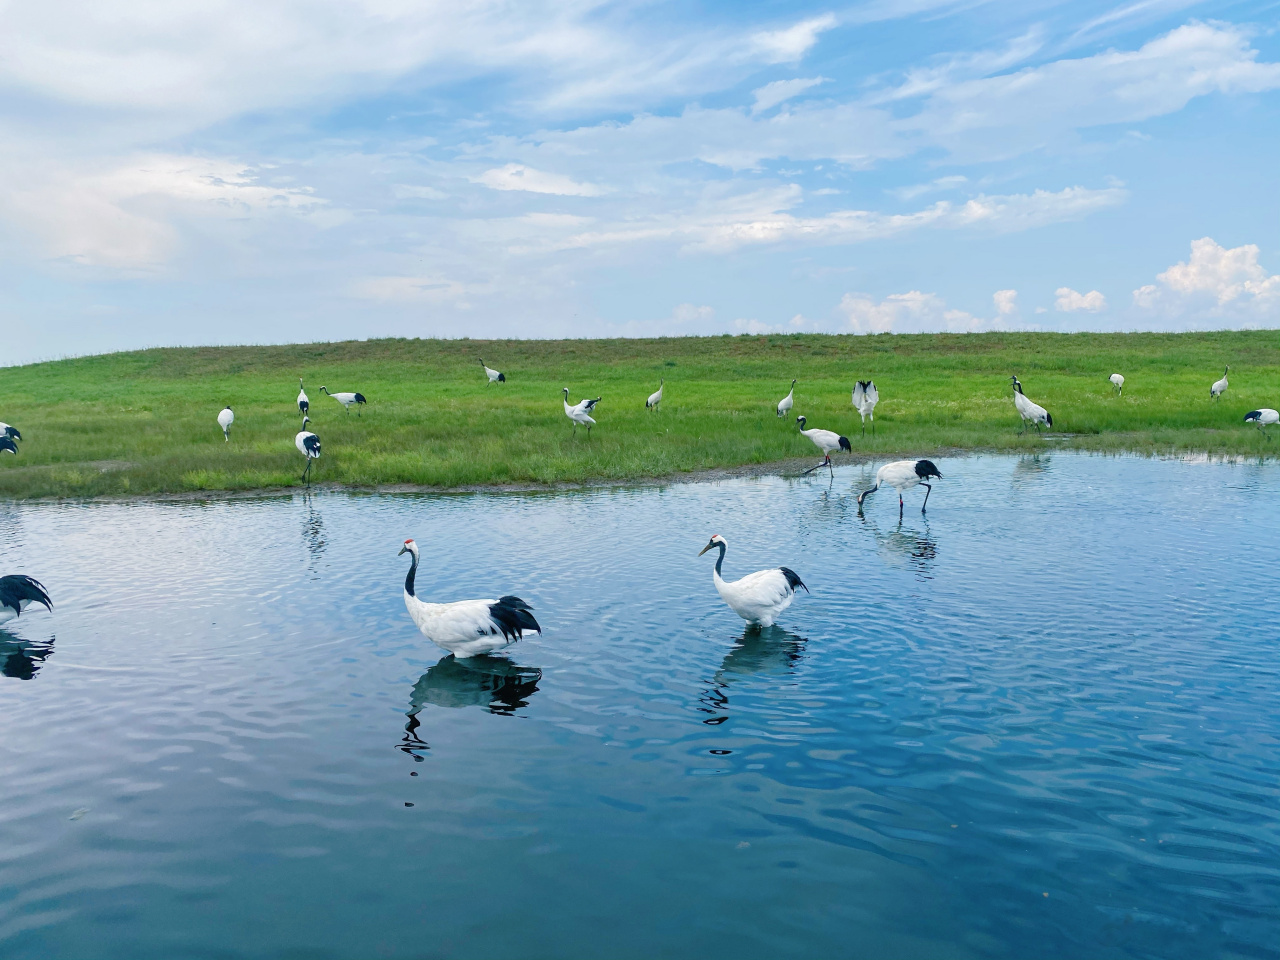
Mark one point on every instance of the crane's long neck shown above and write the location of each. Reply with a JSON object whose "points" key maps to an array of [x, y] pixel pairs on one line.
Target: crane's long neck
{"points": [[413, 569], [719, 561]]}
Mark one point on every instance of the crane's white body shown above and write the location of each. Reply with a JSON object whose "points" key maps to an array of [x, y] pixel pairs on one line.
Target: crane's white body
{"points": [[826, 441], [493, 375], [1264, 418], [17, 592], [902, 475], [758, 597], [580, 412], [304, 405], [308, 445], [8, 435], [787, 402], [225, 419], [466, 628], [1118, 381], [1220, 386], [1029, 412], [865, 398], [655, 398], [346, 399]]}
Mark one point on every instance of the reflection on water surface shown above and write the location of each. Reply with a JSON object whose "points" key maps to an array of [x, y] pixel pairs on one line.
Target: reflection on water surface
{"points": [[1041, 722]]}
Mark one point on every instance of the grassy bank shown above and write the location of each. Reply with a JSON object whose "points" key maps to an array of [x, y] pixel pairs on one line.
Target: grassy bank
{"points": [[144, 422]]}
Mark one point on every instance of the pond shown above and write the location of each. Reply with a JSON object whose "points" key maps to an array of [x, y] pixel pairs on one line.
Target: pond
{"points": [[1044, 721]]}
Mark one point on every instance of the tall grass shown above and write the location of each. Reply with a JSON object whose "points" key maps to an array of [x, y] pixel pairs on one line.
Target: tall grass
{"points": [[144, 422]]}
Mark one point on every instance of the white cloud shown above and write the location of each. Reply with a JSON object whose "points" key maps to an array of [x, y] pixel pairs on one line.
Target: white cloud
{"points": [[1071, 301], [772, 94], [792, 43], [912, 312], [920, 189], [1213, 286], [1006, 302], [517, 177]]}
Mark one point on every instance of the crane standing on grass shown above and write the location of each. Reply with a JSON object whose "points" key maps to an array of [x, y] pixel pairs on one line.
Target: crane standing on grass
{"points": [[493, 375], [225, 419], [8, 435], [346, 399], [304, 405], [655, 398], [580, 413], [865, 398], [787, 402], [1219, 386], [308, 445], [1030, 412], [1118, 382], [1263, 418]]}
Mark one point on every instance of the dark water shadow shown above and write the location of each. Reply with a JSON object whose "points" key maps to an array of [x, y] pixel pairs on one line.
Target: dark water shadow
{"points": [[313, 536], [494, 683], [21, 659], [901, 545], [769, 651]]}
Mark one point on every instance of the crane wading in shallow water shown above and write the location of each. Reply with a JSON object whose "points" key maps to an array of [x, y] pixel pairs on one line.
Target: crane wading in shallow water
{"points": [[580, 413], [1118, 382], [787, 402], [826, 441], [1219, 386], [1263, 418], [759, 597], [865, 398], [903, 475], [467, 627], [1028, 411], [304, 405], [17, 592], [655, 398], [308, 445], [225, 419], [493, 375], [346, 399]]}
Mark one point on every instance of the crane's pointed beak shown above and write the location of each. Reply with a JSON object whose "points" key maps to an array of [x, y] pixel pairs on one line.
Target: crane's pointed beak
{"points": [[403, 550], [705, 549]]}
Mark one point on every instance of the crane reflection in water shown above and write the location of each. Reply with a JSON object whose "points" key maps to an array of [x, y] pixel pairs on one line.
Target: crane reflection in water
{"points": [[21, 659], [902, 545], [494, 683], [771, 651]]}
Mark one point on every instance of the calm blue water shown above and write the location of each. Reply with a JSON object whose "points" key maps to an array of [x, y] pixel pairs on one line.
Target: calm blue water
{"points": [[1045, 722]]}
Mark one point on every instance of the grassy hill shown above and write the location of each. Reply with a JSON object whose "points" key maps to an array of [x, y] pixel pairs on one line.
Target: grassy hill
{"points": [[144, 422]]}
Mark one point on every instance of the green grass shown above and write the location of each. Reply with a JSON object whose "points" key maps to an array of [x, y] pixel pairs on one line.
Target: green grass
{"points": [[144, 422]]}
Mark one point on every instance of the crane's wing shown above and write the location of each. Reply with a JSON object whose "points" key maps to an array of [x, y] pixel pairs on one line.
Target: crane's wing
{"points": [[859, 394], [18, 587], [312, 443], [872, 394]]}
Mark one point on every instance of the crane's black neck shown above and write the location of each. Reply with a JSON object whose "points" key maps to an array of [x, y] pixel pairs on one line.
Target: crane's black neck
{"points": [[408, 580], [720, 560]]}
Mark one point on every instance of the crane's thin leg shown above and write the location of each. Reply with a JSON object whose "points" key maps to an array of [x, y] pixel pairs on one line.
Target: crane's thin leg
{"points": [[575, 429], [899, 506], [928, 489], [830, 467], [1024, 428], [873, 423]]}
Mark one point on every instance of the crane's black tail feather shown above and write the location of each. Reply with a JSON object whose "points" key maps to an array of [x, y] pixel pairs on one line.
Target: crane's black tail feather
{"points": [[793, 579], [18, 587], [513, 616]]}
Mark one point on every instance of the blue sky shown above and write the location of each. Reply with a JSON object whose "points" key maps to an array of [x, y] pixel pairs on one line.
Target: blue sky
{"points": [[237, 172]]}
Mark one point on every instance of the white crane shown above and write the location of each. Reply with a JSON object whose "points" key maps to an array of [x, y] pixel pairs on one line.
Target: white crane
{"points": [[225, 419], [17, 592], [787, 402], [308, 445], [1219, 387], [758, 597], [826, 441], [903, 475], [467, 627], [304, 405], [1028, 411], [493, 375], [346, 399], [865, 398], [1118, 382], [1263, 418], [580, 413], [655, 398]]}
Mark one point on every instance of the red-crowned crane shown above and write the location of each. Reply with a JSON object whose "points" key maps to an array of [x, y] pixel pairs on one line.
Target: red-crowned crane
{"points": [[1028, 411], [8, 435], [580, 413], [304, 405], [826, 441], [308, 445], [225, 419], [1263, 418], [493, 375], [346, 399], [759, 597], [655, 398], [17, 592], [903, 475], [1219, 386], [467, 627], [865, 398], [787, 402], [1117, 381]]}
